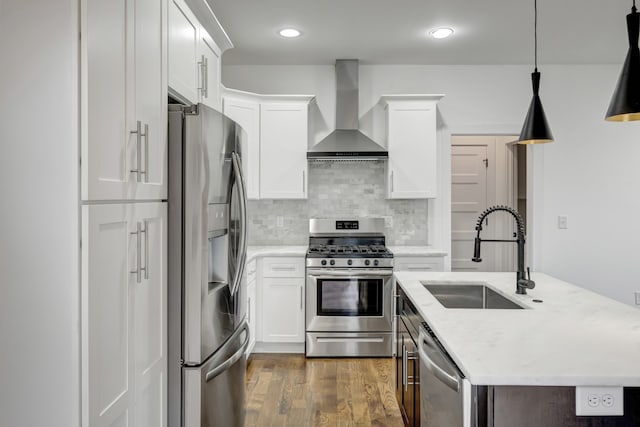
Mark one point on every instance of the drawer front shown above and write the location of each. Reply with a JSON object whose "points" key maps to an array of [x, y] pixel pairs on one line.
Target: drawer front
{"points": [[418, 264], [283, 267]]}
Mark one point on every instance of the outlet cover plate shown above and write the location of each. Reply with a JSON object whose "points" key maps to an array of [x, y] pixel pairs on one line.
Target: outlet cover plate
{"points": [[592, 401]]}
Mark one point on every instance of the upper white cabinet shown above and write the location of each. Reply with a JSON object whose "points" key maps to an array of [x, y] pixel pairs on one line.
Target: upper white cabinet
{"points": [[274, 141], [124, 315], [194, 55], [244, 108], [284, 133], [412, 144], [184, 39], [124, 100], [210, 72]]}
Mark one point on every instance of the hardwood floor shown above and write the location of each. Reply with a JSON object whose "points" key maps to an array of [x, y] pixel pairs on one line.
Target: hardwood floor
{"points": [[290, 390]]}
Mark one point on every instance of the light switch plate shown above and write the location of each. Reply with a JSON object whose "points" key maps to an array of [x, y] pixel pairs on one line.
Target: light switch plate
{"points": [[599, 401], [637, 295]]}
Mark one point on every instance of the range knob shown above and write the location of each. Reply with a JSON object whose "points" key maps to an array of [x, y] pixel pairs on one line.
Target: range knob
{"points": [[349, 262], [323, 262], [367, 262], [376, 262], [332, 262]]}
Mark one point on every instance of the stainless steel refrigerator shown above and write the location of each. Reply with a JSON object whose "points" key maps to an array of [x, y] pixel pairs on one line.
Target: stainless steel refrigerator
{"points": [[208, 333]]}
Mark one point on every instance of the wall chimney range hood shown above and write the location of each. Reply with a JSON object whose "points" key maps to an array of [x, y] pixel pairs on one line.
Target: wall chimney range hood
{"points": [[347, 142]]}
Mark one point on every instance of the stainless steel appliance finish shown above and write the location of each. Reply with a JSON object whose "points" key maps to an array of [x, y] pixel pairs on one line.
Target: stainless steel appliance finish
{"points": [[442, 388], [207, 252], [347, 141], [349, 286]]}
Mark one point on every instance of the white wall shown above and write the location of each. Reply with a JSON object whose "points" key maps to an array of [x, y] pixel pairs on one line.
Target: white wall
{"points": [[590, 173], [39, 281]]}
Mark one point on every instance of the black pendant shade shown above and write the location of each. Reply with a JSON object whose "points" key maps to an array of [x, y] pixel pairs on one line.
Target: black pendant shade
{"points": [[625, 103], [535, 129]]}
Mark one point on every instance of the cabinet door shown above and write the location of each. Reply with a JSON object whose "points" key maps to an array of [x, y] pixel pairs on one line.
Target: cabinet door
{"points": [[283, 150], [151, 97], [124, 362], [251, 314], [108, 257], [150, 318], [283, 310], [247, 115], [209, 63], [107, 115], [184, 31], [123, 84], [411, 168]]}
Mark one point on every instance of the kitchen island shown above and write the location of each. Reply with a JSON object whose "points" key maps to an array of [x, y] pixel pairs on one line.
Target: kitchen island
{"points": [[565, 336]]}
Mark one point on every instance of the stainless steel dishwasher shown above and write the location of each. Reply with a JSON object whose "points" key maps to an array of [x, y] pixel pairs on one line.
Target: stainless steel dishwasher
{"points": [[445, 396]]}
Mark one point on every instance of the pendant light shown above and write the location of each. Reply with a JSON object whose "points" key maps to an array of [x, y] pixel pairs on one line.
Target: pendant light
{"points": [[535, 129], [625, 103]]}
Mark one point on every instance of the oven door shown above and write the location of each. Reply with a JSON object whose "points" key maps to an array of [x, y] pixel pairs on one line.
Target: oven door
{"points": [[349, 300]]}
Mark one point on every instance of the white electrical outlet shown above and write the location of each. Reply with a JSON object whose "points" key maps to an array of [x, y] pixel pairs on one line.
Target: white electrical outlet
{"points": [[279, 221], [599, 401], [637, 295], [388, 221], [563, 222]]}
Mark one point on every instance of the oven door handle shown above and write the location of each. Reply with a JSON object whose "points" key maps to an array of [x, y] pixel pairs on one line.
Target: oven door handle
{"points": [[349, 273]]}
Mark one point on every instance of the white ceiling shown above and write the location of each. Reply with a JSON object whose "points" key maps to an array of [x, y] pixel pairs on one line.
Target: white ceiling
{"points": [[393, 31]]}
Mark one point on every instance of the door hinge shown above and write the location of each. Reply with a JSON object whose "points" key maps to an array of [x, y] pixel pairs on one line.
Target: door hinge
{"points": [[486, 163]]}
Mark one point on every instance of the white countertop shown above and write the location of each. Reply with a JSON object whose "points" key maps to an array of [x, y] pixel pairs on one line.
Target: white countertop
{"points": [[575, 337], [416, 251], [284, 250], [257, 251]]}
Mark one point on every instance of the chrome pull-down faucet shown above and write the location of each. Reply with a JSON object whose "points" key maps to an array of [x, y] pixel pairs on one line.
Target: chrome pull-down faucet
{"points": [[523, 280]]}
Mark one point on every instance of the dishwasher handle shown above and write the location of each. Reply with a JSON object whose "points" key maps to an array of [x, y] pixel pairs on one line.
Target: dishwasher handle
{"points": [[451, 381]]}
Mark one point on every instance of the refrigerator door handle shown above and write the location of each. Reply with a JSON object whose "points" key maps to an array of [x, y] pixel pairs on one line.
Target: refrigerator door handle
{"points": [[242, 249], [233, 359]]}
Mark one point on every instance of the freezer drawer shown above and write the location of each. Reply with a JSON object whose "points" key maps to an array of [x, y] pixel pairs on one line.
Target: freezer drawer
{"points": [[214, 392]]}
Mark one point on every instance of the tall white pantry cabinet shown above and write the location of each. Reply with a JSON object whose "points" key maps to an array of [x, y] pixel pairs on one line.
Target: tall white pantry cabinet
{"points": [[123, 212]]}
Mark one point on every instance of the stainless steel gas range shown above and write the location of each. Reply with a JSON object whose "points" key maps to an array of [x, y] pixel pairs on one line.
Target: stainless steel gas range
{"points": [[349, 288]]}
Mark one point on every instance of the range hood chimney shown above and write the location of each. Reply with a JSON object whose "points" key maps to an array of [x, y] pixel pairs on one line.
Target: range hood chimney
{"points": [[347, 142]]}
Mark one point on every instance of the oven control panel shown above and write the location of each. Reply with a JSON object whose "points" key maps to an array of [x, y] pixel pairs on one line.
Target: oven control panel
{"points": [[350, 263], [347, 225]]}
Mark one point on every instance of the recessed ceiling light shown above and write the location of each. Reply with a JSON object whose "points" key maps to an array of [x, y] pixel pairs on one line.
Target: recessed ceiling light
{"points": [[289, 32], [441, 33]]}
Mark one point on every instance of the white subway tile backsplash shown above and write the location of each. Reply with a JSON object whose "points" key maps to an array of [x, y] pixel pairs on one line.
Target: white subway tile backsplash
{"points": [[338, 190]]}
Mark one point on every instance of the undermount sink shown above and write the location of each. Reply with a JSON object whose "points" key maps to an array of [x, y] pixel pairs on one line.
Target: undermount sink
{"points": [[469, 295]]}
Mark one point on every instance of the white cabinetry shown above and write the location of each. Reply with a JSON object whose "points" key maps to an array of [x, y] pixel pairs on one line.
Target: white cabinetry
{"points": [[251, 305], [282, 318], [284, 134], [412, 144], [194, 57], [210, 71], [124, 289], [124, 100], [418, 263], [244, 108], [184, 37], [275, 142]]}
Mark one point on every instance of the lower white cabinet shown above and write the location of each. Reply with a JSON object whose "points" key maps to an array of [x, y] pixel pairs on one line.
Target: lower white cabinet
{"points": [[418, 263], [251, 305], [124, 315], [281, 293]]}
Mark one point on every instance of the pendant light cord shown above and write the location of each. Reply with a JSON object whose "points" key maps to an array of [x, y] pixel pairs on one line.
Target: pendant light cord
{"points": [[535, 32], [633, 9]]}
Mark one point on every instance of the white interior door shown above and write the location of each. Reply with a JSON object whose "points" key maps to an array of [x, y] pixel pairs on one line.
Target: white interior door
{"points": [[468, 200]]}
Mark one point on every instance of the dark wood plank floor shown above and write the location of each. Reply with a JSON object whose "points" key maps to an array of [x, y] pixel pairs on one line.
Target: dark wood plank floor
{"points": [[290, 390]]}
